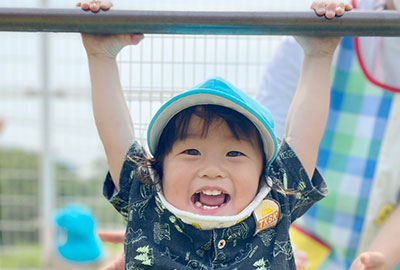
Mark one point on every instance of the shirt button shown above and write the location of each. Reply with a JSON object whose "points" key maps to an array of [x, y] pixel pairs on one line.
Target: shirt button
{"points": [[221, 244]]}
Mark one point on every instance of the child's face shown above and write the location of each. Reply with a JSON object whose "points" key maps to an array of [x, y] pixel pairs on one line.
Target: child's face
{"points": [[215, 174]]}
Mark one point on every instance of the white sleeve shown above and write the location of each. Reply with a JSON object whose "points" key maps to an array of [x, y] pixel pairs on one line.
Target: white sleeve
{"points": [[279, 82]]}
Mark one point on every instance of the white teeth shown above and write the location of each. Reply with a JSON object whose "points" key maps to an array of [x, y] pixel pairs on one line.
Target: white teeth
{"points": [[199, 204], [212, 192], [208, 192], [209, 207]]}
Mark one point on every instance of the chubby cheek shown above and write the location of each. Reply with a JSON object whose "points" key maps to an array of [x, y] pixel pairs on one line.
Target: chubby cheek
{"points": [[245, 194], [176, 189], [245, 191]]}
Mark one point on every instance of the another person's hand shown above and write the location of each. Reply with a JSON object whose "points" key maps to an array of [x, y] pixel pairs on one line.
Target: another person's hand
{"points": [[369, 261], [324, 46], [114, 237], [105, 45]]}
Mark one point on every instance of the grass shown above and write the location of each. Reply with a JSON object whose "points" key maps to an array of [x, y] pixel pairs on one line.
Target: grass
{"points": [[21, 256], [25, 256]]}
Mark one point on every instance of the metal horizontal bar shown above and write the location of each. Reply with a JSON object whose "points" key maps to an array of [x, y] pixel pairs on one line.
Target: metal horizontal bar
{"points": [[354, 23]]}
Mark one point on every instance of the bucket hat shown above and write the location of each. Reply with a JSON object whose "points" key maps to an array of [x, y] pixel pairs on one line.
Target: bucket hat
{"points": [[216, 91]]}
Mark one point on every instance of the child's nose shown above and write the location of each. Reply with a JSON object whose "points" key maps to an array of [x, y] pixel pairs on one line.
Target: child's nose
{"points": [[212, 169]]}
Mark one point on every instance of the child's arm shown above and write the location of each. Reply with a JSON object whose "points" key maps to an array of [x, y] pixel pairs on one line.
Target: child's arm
{"points": [[309, 109], [113, 120], [384, 251]]}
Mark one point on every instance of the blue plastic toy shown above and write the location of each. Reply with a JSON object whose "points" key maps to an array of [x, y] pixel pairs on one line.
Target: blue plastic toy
{"points": [[76, 240]]}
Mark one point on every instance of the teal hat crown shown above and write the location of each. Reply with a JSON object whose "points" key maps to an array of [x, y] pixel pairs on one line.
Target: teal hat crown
{"points": [[216, 91]]}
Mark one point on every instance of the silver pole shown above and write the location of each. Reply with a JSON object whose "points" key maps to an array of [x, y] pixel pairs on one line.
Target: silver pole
{"points": [[47, 186], [353, 23]]}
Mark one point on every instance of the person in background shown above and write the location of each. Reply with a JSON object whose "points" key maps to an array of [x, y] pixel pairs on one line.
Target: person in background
{"points": [[358, 154]]}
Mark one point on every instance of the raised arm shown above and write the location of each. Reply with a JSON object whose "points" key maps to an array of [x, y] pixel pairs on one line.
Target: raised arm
{"points": [[309, 109], [113, 120]]}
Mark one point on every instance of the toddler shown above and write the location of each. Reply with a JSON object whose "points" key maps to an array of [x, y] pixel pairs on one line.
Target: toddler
{"points": [[216, 191]]}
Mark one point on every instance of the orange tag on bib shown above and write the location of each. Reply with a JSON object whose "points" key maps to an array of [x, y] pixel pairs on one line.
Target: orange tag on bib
{"points": [[266, 214]]}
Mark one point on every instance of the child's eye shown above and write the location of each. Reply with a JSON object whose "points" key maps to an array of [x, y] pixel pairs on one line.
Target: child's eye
{"points": [[192, 152], [234, 154]]}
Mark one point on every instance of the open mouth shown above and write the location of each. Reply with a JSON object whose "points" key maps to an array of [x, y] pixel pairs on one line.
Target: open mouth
{"points": [[210, 199]]}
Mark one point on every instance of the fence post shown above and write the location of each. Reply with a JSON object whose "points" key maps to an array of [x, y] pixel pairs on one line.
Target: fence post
{"points": [[47, 181]]}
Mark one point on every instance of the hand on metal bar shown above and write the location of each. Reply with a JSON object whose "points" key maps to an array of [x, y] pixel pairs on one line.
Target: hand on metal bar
{"points": [[105, 45], [320, 46], [330, 9], [95, 6]]}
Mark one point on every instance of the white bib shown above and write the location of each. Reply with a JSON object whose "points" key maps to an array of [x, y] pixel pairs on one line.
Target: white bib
{"points": [[216, 222]]}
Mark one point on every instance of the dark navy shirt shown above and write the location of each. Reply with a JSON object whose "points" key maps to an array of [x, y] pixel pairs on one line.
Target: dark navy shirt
{"points": [[156, 239]]}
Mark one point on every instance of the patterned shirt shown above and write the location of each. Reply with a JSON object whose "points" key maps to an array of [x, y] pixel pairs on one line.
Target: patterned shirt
{"points": [[156, 239]]}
